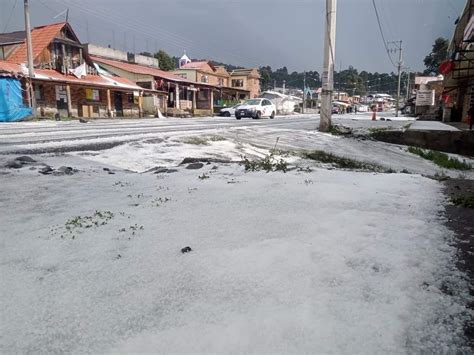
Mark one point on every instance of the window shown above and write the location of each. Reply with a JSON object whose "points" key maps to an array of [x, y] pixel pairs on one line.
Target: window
{"points": [[92, 95], [39, 92], [204, 79], [130, 98], [221, 82], [237, 83], [144, 84]]}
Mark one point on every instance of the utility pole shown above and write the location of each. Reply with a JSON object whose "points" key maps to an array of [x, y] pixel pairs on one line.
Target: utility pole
{"points": [[29, 53], [284, 86], [397, 107], [304, 90], [328, 70], [408, 84], [274, 85]]}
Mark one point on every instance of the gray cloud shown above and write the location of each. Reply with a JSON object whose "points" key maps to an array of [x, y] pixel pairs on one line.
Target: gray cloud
{"points": [[253, 32]]}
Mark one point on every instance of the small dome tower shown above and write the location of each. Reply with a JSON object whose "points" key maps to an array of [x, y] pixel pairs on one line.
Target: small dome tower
{"points": [[184, 60]]}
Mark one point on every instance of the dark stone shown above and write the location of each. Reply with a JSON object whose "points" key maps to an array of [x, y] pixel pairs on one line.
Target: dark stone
{"points": [[83, 120], [195, 166], [186, 250], [13, 164], [204, 160], [170, 171], [67, 170], [382, 119], [111, 173], [26, 159], [47, 170], [106, 169]]}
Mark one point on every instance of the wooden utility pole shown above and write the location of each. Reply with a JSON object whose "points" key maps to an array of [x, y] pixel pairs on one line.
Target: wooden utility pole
{"points": [[29, 54], [399, 77], [328, 70], [304, 91], [408, 84], [399, 66]]}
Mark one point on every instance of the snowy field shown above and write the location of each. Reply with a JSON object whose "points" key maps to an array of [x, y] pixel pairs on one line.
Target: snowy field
{"points": [[314, 260]]}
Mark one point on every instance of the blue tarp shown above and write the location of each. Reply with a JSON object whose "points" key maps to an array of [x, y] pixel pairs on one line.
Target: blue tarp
{"points": [[12, 107]]}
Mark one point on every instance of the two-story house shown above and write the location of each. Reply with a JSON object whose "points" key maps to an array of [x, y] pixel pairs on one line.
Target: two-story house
{"points": [[219, 78], [246, 79]]}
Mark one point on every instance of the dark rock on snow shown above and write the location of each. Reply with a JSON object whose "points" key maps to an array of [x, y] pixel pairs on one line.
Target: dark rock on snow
{"points": [[46, 170], [186, 250], [66, 170], [195, 166], [26, 159], [13, 164]]}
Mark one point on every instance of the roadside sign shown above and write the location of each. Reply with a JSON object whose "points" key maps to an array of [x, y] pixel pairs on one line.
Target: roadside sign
{"points": [[425, 98]]}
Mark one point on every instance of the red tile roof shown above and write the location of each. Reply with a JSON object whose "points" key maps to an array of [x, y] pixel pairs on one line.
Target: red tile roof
{"points": [[41, 37], [141, 69], [9, 69], [198, 65], [12, 69], [89, 80]]}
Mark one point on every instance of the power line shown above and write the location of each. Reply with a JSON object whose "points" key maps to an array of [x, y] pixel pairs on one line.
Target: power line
{"points": [[10, 17], [381, 33], [151, 31]]}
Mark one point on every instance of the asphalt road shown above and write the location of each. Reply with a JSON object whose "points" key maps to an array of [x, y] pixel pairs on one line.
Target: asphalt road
{"points": [[52, 136], [30, 137]]}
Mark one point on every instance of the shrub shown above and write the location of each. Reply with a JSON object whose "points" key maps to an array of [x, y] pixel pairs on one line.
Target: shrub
{"points": [[268, 163], [440, 159]]}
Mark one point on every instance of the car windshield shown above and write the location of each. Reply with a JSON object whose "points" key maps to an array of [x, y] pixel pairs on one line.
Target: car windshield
{"points": [[253, 102]]}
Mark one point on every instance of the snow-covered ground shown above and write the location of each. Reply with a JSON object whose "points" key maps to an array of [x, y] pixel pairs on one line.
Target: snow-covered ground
{"points": [[309, 261]]}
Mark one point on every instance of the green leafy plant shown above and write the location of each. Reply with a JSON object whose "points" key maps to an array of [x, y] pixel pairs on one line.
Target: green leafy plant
{"points": [[158, 201], [203, 176], [345, 163], [466, 201], [440, 159], [268, 164], [78, 224]]}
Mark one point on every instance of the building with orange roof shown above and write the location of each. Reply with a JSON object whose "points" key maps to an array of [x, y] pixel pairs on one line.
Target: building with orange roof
{"points": [[247, 79], [66, 82]]}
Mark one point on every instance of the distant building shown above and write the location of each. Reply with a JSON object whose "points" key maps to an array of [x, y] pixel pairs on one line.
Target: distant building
{"points": [[428, 91], [285, 104], [246, 79]]}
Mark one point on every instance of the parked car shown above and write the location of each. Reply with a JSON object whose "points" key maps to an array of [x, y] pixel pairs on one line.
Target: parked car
{"points": [[335, 110], [228, 111], [256, 108]]}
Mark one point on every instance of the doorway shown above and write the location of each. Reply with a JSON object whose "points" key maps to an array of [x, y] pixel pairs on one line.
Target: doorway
{"points": [[118, 104]]}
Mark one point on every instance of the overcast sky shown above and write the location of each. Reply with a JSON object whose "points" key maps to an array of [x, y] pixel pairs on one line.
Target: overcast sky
{"points": [[252, 32]]}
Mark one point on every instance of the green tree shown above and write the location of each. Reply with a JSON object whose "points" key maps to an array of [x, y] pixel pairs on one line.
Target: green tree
{"points": [[266, 77], [436, 57], [165, 61]]}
